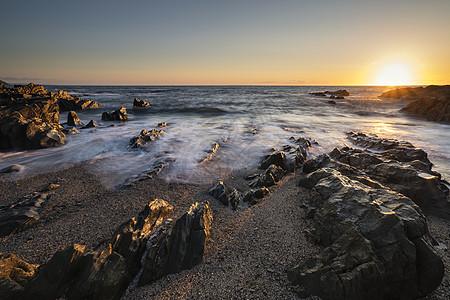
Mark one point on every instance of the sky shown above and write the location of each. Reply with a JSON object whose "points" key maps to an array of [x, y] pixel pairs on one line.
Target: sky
{"points": [[206, 42]]}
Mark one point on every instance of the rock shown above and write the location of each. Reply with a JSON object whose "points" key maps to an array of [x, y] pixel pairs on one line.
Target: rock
{"points": [[117, 115], [30, 123], [234, 198], [332, 102], [376, 240], [73, 120], [401, 167], [91, 124], [209, 154], [79, 272], [15, 274], [23, 213], [277, 158], [255, 195], [220, 193], [145, 137], [339, 94], [270, 177], [431, 102], [162, 124], [12, 168], [180, 247], [140, 103], [71, 130], [75, 104]]}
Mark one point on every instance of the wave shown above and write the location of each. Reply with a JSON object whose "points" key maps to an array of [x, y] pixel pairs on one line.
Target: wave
{"points": [[196, 110]]}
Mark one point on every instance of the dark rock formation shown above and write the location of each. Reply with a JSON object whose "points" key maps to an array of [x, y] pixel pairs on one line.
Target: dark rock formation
{"points": [[73, 120], [140, 103], [91, 124], [276, 157], [30, 123], [401, 167], [68, 102], [141, 250], [117, 115], [15, 274], [220, 193], [376, 240], [209, 154], [234, 198], [339, 94], [145, 137], [23, 213], [270, 177], [70, 130], [431, 102], [162, 124], [157, 166]]}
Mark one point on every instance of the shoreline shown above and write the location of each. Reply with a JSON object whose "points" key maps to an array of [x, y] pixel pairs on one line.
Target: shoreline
{"points": [[248, 254]]}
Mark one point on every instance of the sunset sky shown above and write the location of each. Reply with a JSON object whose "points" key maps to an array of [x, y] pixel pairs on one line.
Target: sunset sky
{"points": [[225, 42]]}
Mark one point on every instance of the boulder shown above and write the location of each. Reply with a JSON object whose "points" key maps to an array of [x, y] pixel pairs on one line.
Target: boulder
{"points": [[162, 124], [15, 274], [140, 103], [145, 137], [277, 158], [12, 168], [234, 198], [376, 241], [73, 120], [75, 104], [339, 94], [220, 192], [91, 124], [117, 115], [270, 177]]}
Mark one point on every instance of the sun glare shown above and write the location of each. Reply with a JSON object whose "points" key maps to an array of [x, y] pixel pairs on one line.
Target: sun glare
{"points": [[394, 74]]}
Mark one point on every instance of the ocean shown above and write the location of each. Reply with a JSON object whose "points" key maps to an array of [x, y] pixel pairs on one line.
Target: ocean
{"points": [[246, 121]]}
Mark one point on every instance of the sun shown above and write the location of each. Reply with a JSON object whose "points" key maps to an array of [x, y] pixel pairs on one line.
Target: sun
{"points": [[394, 74]]}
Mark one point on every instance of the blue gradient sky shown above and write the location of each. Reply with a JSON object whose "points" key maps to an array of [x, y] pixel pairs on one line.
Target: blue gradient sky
{"points": [[222, 42]]}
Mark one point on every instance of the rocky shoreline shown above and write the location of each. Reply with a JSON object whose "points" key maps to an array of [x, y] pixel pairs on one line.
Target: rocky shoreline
{"points": [[312, 206], [349, 224]]}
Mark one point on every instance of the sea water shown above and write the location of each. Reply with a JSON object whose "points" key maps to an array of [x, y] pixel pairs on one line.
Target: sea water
{"points": [[246, 121]]}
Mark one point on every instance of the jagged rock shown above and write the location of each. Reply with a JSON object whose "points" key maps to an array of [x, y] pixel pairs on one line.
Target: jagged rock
{"points": [[210, 153], [30, 123], [23, 213], [140, 103], [12, 168], [157, 166], [117, 115], [162, 124], [270, 177], [277, 158], [145, 137], [75, 103], [220, 193], [14, 275], [255, 195], [180, 247], [377, 241], [401, 167], [73, 120], [431, 102], [234, 198], [79, 272], [91, 124]]}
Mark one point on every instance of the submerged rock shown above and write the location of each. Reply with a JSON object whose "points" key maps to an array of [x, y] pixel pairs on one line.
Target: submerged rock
{"points": [[140, 103], [12, 168], [117, 115], [339, 94], [209, 154], [91, 124], [145, 137]]}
